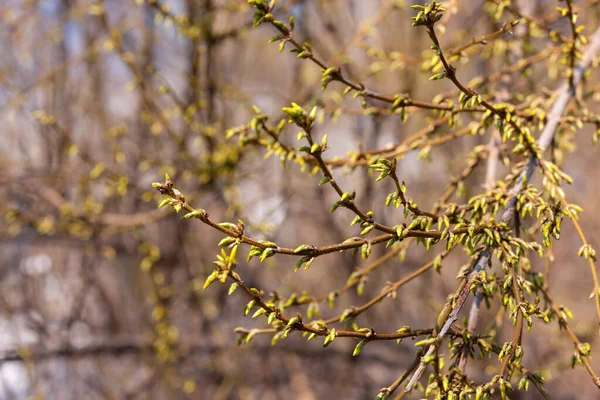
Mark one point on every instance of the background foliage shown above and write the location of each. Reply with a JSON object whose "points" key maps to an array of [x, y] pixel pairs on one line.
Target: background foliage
{"points": [[399, 135]]}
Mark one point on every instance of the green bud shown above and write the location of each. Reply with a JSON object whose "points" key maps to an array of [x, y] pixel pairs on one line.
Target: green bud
{"points": [[211, 278], [165, 202], [367, 230], [259, 312], [232, 288], [248, 307], [359, 348], [437, 77], [313, 113], [346, 196]]}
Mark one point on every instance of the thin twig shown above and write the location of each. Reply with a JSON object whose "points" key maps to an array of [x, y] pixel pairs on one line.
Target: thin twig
{"points": [[546, 137]]}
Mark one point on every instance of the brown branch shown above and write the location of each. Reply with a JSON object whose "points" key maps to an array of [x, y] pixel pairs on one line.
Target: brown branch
{"points": [[562, 321], [356, 311], [546, 137]]}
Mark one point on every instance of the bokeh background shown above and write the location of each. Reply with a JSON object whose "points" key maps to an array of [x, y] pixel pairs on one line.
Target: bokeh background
{"points": [[101, 292]]}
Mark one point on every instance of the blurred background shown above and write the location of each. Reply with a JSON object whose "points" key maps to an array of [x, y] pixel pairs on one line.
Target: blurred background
{"points": [[101, 292]]}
